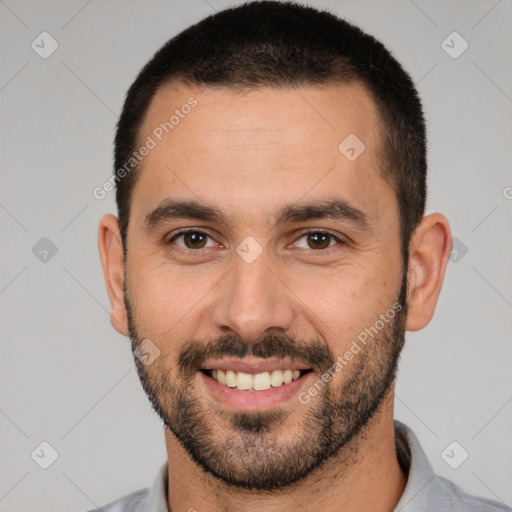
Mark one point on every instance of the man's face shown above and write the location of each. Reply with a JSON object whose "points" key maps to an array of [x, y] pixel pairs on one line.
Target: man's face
{"points": [[257, 287]]}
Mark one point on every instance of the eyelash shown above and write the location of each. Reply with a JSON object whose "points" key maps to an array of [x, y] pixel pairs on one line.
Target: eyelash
{"points": [[304, 233]]}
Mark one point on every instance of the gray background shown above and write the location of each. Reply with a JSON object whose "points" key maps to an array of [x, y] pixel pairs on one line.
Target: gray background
{"points": [[66, 377]]}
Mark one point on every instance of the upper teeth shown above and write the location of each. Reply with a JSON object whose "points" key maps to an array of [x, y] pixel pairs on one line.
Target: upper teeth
{"points": [[257, 381]]}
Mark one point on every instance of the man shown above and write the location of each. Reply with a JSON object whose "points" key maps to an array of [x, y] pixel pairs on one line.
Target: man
{"points": [[270, 252]]}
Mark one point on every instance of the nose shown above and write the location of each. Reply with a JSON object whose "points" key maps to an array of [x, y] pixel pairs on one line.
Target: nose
{"points": [[253, 299]]}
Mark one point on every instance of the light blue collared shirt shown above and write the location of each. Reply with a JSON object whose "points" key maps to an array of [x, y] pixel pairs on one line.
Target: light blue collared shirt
{"points": [[425, 491]]}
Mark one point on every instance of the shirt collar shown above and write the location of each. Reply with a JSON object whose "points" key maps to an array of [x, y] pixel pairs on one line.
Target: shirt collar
{"points": [[415, 464], [158, 493]]}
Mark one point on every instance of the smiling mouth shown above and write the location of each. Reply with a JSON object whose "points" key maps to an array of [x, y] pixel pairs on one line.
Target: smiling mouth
{"points": [[255, 381]]}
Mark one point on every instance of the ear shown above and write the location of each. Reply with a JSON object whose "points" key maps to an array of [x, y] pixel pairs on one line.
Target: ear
{"points": [[429, 251], [111, 253]]}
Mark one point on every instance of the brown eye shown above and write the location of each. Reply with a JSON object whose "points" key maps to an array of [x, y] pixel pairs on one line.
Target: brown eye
{"points": [[191, 239], [319, 240]]}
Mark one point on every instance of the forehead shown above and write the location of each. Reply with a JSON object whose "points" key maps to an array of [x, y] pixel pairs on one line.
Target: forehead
{"points": [[265, 145], [258, 116]]}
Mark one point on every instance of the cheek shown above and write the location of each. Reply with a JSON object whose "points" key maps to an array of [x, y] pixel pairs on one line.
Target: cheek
{"points": [[342, 304], [166, 300]]}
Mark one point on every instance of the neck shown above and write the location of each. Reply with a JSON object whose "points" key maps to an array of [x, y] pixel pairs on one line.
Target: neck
{"points": [[363, 475]]}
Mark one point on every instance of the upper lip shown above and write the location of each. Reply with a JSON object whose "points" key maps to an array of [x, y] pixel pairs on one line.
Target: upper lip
{"points": [[251, 364]]}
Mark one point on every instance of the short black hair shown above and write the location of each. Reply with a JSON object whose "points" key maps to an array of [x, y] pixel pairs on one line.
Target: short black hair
{"points": [[274, 44]]}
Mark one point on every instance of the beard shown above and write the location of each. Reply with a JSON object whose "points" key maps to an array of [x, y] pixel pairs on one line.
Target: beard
{"points": [[251, 450]]}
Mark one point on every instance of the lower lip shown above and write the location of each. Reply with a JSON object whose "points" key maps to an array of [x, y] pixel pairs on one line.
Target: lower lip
{"points": [[253, 400]]}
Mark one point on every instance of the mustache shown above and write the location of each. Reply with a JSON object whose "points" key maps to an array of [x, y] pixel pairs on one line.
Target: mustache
{"points": [[314, 353]]}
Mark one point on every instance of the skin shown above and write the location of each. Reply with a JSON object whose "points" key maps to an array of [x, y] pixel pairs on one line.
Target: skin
{"points": [[249, 153]]}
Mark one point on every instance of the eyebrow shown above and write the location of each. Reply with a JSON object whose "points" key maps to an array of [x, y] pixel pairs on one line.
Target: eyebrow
{"points": [[335, 209]]}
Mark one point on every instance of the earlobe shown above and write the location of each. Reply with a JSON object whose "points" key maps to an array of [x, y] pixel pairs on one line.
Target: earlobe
{"points": [[429, 252], [111, 253]]}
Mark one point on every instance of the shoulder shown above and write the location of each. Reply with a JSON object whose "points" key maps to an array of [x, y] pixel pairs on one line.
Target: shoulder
{"points": [[449, 496], [134, 502]]}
